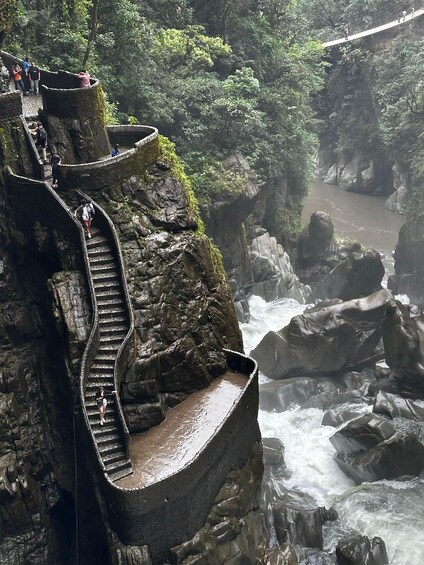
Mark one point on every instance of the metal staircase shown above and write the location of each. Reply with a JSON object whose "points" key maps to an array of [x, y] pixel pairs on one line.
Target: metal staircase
{"points": [[113, 328]]}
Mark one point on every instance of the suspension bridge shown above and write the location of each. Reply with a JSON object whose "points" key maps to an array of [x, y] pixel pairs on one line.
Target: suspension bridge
{"points": [[397, 22]]}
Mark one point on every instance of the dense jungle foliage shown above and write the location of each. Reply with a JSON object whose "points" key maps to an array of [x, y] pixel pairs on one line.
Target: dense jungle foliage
{"points": [[373, 103], [239, 75], [215, 77]]}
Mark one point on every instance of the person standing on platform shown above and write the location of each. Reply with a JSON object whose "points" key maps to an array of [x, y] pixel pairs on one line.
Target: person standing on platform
{"points": [[34, 77], [85, 78]]}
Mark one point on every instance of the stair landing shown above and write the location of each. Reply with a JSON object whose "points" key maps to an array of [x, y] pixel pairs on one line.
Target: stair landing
{"points": [[167, 448]]}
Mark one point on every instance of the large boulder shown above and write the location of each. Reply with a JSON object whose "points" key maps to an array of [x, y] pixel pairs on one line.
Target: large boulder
{"points": [[370, 449], [273, 275], [299, 520], [393, 405], [325, 340], [356, 549], [360, 274]]}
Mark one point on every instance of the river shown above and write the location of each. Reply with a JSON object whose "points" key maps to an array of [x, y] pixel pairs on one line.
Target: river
{"points": [[358, 217], [393, 510]]}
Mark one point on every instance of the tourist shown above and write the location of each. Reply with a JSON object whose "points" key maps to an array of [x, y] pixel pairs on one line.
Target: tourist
{"points": [[102, 402], [85, 212], [346, 33], [41, 141], [17, 78], [85, 78], [55, 161], [404, 14], [115, 150], [25, 75], [34, 76]]}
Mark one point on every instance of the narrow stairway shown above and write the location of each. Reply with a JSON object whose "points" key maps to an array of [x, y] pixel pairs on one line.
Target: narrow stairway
{"points": [[114, 325]]}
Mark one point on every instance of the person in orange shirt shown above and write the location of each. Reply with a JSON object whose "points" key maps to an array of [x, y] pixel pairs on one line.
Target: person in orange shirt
{"points": [[17, 77]]}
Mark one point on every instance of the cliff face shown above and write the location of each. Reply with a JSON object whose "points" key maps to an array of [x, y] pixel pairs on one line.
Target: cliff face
{"points": [[241, 225], [37, 486], [409, 263], [370, 135], [183, 317]]}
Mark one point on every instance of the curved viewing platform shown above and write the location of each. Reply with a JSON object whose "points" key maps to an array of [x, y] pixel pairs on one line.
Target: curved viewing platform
{"points": [[181, 464], [167, 448], [98, 175]]}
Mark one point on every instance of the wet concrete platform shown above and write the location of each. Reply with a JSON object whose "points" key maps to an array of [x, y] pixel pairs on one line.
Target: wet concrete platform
{"points": [[165, 449]]}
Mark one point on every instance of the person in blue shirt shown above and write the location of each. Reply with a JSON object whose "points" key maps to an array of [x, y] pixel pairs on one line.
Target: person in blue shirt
{"points": [[115, 150]]}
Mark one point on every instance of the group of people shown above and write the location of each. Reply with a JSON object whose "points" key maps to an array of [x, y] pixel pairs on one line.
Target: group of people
{"points": [[26, 78]]}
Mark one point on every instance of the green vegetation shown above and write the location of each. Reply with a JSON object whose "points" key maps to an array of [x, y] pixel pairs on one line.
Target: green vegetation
{"points": [[373, 104], [215, 78]]}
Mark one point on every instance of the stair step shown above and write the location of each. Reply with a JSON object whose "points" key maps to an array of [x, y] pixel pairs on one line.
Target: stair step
{"points": [[103, 430], [102, 259], [108, 275], [125, 471], [119, 321], [116, 468], [94, 249], [106, 338], [112, 439], [107, 284], [92, 410], [113, 329], [104, 270], [97, 241], [113, 311], [109, 448], [99, 367], [109, 302], [115, 457]]}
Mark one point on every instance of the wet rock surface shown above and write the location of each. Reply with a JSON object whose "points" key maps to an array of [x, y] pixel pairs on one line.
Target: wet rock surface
{"points": [[325, 340], [403, 335], [273, 275], [360, 274], [393, 405], [360, 550], [369, 449], [235, 529]]}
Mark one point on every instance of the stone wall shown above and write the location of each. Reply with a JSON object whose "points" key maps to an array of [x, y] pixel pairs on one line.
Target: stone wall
{"points": [[75, 120], [10, 105]]}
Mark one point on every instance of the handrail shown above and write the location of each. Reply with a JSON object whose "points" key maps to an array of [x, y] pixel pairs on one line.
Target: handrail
{"points": [[121, 361], [34, 153]]}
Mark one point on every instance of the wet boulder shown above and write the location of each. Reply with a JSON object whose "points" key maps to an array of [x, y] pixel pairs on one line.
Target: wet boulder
{"points": [[359, 274], [279, 396], [325, 340], [361, 434], [273, 275], [299, 520], [273, 451], [370, 449], [355, 549], [393, 405], [403, 339], [336, 418], [284, 554]]}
